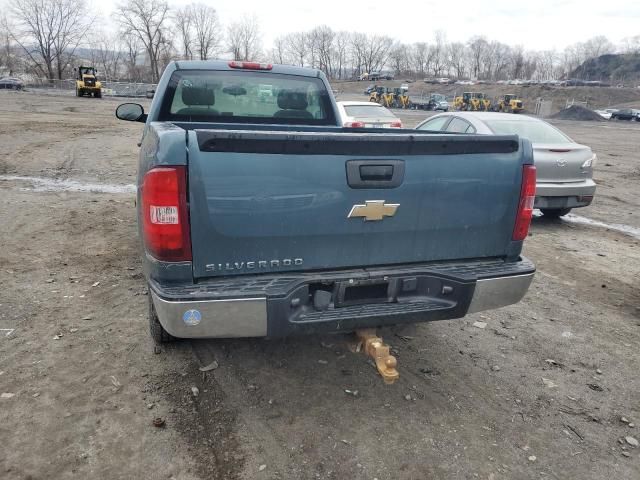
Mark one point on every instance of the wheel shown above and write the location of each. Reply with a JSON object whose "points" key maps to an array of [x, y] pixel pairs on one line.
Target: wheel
{"points": [[158, 333], [78, 93], [555, 212], [97, 94]]}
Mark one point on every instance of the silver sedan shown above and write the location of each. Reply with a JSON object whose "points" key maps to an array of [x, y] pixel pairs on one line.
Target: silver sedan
{"points": [[564, 167]]}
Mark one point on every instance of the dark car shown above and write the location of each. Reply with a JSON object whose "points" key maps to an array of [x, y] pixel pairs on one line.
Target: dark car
{"points": [[11, 83], [626, 114]]}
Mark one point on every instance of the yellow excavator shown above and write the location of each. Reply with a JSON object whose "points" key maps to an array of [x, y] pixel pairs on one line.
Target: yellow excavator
{"points": [[87, 82], [509, 103]]}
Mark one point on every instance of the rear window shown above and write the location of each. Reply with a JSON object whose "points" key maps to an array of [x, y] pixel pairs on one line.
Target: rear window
{"points": [[246, 97], [535, 131], [367, 111]]}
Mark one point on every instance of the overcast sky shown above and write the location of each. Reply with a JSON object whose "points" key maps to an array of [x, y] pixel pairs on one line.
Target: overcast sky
{"points": [[535, 24]]}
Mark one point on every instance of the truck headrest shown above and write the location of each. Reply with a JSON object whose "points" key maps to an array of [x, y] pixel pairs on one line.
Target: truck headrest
{"points": [[291, 100], [198, 96]]}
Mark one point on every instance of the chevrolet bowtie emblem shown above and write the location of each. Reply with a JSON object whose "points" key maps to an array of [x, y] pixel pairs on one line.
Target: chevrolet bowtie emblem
{"points": [[373, 210]]}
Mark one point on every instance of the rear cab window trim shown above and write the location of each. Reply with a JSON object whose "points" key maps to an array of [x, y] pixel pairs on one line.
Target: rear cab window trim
{"points": [[324, 105]]}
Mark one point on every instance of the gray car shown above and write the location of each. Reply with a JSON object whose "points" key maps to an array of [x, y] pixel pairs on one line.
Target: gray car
{"points": [[564, 167]]}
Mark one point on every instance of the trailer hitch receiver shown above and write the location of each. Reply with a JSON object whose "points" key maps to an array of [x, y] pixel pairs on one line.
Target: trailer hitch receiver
{"points": [[374, 346]]}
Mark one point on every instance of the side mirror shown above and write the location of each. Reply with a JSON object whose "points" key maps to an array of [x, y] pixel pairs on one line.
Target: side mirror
{"points": [[131, 112]]}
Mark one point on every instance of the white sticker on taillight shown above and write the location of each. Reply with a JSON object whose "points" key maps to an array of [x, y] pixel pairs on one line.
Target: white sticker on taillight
{"points": [[164, 215]]}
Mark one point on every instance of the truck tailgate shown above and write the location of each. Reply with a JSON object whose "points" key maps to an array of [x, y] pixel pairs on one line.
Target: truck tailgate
{"points": [[285, 201]]}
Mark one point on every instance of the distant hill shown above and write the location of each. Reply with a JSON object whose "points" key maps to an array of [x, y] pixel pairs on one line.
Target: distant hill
{"points": [[614, 68]]}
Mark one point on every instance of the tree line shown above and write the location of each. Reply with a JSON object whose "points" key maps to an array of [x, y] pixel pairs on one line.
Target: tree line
{"points": [[48, 39]]}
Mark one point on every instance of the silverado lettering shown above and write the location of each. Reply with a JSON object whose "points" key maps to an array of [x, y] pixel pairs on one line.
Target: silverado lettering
{"points": [[286, 262]]}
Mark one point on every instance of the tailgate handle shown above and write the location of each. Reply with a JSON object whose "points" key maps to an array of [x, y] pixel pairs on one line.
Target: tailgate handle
{"points": [[375, 173]]}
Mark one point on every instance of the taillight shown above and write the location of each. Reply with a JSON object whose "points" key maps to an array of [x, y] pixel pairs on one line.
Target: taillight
{"points": [[165, 219], [353, 124], [397, 124], [525, 206], [250, 65]]}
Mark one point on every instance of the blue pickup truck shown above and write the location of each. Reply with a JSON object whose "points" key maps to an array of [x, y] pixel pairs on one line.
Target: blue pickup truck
{"points": [[261, 216]]}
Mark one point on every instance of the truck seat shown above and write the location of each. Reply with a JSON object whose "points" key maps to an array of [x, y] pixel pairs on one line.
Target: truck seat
{"points": [[196, 98], [292, 105]]}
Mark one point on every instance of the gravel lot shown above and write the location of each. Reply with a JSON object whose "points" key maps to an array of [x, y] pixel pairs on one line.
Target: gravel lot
{"points": [[548, 389]]}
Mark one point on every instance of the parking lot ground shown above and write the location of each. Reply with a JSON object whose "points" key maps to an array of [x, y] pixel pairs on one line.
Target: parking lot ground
{"points": [[539, 392]]}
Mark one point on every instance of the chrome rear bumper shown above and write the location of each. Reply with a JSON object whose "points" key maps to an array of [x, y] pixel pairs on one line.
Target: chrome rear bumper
{"points": [[260, 316]]}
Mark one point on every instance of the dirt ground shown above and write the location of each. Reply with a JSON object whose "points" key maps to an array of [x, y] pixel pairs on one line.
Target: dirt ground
{"points": [[541, 392]]}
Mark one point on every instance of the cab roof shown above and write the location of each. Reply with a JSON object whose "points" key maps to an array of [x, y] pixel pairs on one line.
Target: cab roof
{"points": [[224, 65]]}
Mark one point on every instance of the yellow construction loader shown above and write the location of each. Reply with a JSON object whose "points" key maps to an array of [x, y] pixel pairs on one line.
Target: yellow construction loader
{"points": [[462, 102], [87, 83], [388, 98], [401, 98], [376, 94], [480, 102], [472, 101], [509, 103]]}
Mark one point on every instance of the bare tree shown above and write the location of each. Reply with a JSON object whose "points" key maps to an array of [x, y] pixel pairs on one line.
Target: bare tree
{"points": [[7, 56], [183, 19], [321, 39], [340, 53], [133, 52], [297, 47], [456, 59], [478, 47], [108, 55], [147, 20], [546, 64], [207, 29], [278, 52], [399, 58], [420, 58], [596, 46], [371, 51], [631, 44], [243, 39], [517, 62], [438, 57], [49, 31]]}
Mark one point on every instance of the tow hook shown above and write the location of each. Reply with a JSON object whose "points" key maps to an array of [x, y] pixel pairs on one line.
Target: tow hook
{"points": [[374, 347]]}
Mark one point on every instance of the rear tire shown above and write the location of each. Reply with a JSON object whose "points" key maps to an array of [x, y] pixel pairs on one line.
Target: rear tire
{"points": [[554, 212], [157, 331]]}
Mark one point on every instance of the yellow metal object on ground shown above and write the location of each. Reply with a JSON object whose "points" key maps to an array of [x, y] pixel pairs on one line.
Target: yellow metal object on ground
{"points": [[374, 347]]}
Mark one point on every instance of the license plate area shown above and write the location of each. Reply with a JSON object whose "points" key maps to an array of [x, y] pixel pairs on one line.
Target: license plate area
{"points": [[360, 292]]}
